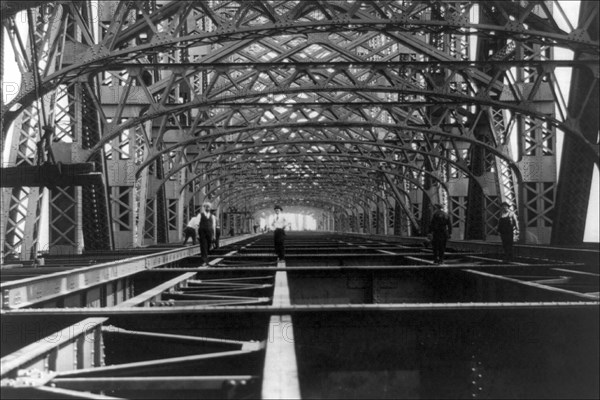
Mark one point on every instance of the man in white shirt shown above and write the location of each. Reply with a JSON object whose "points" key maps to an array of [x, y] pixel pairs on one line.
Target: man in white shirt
{"points": [[217, 229], [191, 229], [206, 231], [278, 225]]}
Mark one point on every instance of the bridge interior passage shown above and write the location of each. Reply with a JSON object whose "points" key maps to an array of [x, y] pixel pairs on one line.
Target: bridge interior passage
{"points": [[342, 316], [119, 119]]}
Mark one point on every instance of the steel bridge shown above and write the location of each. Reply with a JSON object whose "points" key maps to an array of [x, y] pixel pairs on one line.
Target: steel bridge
{"points": [[119, 118]]}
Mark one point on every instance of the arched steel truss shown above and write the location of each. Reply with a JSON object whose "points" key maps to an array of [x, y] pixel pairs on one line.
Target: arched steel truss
{"points": [[345, 171], [390, 103]]}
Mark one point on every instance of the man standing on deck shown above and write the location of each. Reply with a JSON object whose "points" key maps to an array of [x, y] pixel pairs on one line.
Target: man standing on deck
{"points": [[278, 225], [206, 231], [441, 230]]}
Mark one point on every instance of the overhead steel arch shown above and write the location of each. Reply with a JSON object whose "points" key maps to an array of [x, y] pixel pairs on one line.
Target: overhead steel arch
{"points": [[365, 198], [347, 186], [289, 198], [454, 18], [221, 172], [457, 102], [268, 203], [208, 156], [254, 183], [454, 101]]}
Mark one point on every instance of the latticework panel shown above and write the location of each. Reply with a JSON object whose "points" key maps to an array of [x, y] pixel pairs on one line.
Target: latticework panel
{"points": [[458, 210], [353, 226], [172, 214], [374, 221], [150, 222], [64, 217], [122, 215], [18, 216], [539, 201], [492, 215]]}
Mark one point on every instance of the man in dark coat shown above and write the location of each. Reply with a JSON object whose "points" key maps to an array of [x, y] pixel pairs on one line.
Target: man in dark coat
{"points": [[441, 229]]}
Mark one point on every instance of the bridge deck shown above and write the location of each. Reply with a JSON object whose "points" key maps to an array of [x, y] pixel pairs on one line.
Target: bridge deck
{"points": [[342, 316]]}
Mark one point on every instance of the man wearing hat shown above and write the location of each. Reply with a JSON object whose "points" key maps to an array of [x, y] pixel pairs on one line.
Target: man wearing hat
{"points": [[206, 231], [278, 225], [441, 230], [508, 228]]}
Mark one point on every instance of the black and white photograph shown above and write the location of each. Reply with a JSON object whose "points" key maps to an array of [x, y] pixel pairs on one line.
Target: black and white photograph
{"points": [[300, 199]]}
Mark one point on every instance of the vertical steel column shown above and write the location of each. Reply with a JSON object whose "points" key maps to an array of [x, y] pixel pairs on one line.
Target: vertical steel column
{"points": [[485, 186], [98, 234], [475, 223], [577, 163], [161, 208], [425, 208], [21, 205], [398, 219], [141, 184], [537, 162], [495, 178], [65, 203], [120, 99]]}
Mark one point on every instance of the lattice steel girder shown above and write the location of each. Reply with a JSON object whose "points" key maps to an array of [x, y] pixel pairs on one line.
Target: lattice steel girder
{"points": [[259, 184], [346, 184], [256, 182], [22, 293], [410, 66], [332, 196], [317, 174], [458, 163], [30, 144], [529, 10], [302, 19], [359, 197], [452, 108], [59, 118], [50, 175], [313, 204], [359, 164], [322, 202], [231, 81], [340, 143]]}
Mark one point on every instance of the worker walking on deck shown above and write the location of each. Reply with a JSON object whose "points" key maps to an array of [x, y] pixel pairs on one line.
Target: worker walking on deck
{"points": [[206, 231], [508, 228], [441, 230], [278, 225], [217, 230]]}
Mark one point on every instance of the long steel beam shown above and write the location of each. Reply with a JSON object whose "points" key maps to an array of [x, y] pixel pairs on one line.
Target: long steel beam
{"points": [[27, 292], [30, 291], [145, 383], [307, 308]]}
